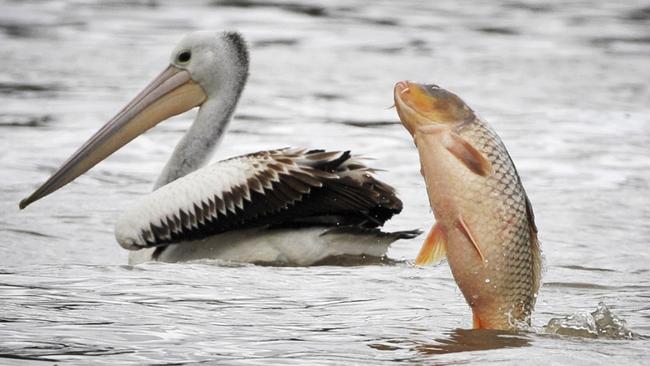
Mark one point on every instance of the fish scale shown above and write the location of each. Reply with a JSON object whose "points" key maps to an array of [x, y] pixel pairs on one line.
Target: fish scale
{"points": [[480, 205], [512, 281]]}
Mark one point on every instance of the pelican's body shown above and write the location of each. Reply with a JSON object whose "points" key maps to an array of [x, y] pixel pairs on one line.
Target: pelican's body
{"points": [[296, 247], [286, 206]]}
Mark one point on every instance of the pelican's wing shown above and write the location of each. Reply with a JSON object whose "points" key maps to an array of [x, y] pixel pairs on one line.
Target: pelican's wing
{"points": [[282, 187]]}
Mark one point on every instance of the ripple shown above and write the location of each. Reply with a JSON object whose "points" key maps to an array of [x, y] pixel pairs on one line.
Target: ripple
{"points": [[564, 85], [590, 269], [24, 120], [22, 89], [299, 8]]}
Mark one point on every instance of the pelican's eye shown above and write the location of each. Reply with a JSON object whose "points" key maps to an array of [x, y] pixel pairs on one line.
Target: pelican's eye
{"points": [[184, 56]]}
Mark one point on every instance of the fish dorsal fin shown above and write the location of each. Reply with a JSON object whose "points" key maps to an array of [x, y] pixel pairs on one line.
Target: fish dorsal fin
{"points": [[534, 246], [531, 215], [473, 159], [434, 247]]}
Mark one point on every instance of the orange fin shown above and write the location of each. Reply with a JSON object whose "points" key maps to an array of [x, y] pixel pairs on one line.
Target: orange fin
{"points": [[473, 159], [434, 247], [465, 229], [477, 321]]}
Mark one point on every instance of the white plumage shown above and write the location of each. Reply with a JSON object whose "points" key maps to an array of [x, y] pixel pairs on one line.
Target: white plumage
{"points": [[298, 247]]}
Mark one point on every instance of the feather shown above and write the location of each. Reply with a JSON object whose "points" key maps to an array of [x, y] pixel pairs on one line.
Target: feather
{"points": [[276, 188]]}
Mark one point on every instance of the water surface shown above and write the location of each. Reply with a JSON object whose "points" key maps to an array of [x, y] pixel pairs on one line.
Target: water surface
{"points": [[564, 83]]}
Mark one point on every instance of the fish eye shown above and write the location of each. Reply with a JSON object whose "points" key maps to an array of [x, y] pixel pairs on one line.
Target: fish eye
{"points": [[184, 56]]}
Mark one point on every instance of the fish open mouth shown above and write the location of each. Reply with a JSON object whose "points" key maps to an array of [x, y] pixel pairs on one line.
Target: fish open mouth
{"points": [[402, 87], [410, 117]]}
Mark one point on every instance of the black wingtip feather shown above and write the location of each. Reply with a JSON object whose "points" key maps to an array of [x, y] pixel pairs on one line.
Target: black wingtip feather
{"points": [[318, 188]]}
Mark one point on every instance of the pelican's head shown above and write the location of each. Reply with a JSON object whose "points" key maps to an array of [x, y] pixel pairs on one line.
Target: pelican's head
{"points": [[217, 61], [203, 66]]}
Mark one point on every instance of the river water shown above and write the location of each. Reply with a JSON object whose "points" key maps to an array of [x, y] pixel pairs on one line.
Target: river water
{"points": [[566, 84]]}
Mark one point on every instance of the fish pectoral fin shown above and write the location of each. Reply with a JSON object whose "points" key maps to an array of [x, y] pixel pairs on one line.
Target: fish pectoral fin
{"points": [[473, 159], [462, 225], [434, 247]]}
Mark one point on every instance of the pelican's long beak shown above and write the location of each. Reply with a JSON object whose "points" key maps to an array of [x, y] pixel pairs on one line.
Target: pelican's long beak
{"points": [[171, 93]]}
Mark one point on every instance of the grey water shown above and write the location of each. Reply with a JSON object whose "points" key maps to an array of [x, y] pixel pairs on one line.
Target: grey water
{"points": [[565, 83]]}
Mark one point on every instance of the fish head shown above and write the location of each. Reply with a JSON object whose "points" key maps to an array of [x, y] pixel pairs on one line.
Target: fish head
{"points": [[419, 105]]}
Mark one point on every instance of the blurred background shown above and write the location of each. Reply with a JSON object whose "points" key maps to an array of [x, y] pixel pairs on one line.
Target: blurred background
{"points": [[565, 83]]}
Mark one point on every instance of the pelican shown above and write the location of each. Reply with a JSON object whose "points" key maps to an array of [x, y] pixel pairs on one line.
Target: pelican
{"points": [[286, 206]]}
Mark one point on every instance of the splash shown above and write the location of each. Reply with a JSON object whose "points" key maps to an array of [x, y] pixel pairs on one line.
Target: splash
{"points": [[597, 324]]}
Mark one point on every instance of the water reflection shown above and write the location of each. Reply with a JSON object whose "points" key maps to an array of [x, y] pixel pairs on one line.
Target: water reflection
{"points": [[458, 340], [467, 340]]}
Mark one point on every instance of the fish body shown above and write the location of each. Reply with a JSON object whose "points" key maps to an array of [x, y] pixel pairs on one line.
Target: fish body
{"points": [[484, 220]]}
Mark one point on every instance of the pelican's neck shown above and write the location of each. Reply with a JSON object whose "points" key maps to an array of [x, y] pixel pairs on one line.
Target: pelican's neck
{"points": [[198, 144]]}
